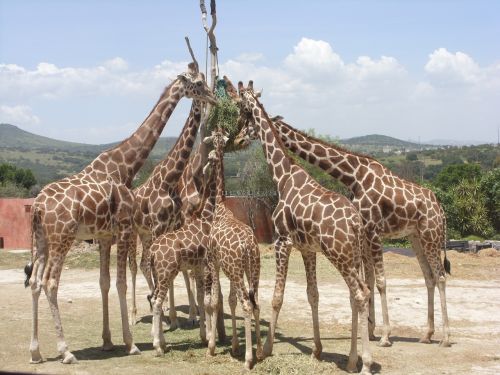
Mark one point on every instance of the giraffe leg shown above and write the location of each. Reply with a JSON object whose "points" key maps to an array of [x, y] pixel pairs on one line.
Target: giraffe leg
{"points": [[146, 261], [104, 283], [430, 284], [172, 313], [445, 342], [214, 309], [51, 278], [159, 343], [198, 274], [36, 286], [309, 259], [282, 250], [193, 311], [232, 305], [121, 285], [256, 316], [247, 307], [378, 263], [353, 353], [132, 264]]}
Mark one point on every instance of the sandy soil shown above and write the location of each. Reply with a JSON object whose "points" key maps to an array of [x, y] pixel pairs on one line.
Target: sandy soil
{"points": [[473, 304]]}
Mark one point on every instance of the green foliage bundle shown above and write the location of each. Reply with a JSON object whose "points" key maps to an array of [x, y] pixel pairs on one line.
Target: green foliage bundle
{"points": [[224, 114]]}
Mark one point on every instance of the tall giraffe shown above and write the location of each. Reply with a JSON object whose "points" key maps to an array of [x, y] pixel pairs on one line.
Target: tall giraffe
{"points": [[391, 207], [181, 250], [157, 206], [97, 203], [313, 219], [233, 247]]}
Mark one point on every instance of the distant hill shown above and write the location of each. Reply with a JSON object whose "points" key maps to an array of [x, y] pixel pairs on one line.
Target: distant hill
{"points": [[380, 140], [50, 159]]}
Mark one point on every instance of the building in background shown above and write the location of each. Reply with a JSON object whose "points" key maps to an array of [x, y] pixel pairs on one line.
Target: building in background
{"points": [[15, 227]]}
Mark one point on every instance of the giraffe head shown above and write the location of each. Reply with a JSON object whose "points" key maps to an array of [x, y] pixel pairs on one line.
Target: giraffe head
{"points": [[218, 139], [247, 102], [193, 84]]}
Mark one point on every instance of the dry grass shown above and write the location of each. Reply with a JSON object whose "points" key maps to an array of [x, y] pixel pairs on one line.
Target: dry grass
{"points": [[82, 323]]}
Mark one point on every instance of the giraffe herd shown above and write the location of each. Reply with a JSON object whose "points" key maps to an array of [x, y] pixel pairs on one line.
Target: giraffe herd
{"points": [[181, 218]]}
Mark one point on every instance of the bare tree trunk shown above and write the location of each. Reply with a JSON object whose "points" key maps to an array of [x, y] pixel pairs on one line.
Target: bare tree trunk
{"points": [[221, 329]]}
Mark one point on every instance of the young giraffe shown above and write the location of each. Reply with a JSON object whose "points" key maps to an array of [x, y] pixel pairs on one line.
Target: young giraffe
{"points": [[182, 250], [233, 247], [391, 208], [312, 219], [97, 203], [157, 207]]}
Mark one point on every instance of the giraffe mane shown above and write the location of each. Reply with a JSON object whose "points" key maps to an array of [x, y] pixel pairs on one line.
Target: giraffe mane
{"points": [[275, 133], [325, 143]]}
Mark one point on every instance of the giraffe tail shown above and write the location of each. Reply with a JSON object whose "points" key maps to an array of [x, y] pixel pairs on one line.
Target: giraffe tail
{"points": [[251, 281], [35, 222], [152, 297], [446, 262]]}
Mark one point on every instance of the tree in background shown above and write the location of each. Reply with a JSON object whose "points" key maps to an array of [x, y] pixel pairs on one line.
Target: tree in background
{"points": [[453, 174], [490, 187], [17, 182]]}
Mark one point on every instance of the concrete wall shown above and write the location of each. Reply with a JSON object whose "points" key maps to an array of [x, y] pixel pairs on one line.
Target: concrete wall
{"points": [[15, 223], [242, 207]]}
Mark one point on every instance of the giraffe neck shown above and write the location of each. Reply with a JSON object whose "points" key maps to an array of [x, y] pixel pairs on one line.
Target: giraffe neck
{"points": [[123, 161], [221, 186], [208, 206], [169, 171], [339, 163], [276, 158]]}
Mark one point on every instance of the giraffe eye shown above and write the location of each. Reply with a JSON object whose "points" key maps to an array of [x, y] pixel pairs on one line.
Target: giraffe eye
{"points": [[198, 83]]}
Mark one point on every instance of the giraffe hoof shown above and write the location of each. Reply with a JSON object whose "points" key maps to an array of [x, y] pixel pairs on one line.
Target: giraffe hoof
{"points": [[107, 346], [159, 352], [173, 325], [384, 343], [445, 344], [36, 357], [248, 365], [425, 340], [351, 367], [372, 337], [69, 359], [268, 349], [259, 354], [134, 350]]}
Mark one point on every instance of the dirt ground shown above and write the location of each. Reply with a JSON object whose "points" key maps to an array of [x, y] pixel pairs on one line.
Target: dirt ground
{"points": [[473, 294]]}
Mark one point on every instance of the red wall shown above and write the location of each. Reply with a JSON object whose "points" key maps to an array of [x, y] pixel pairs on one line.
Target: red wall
{"points": [[262, 219], [15, 223]]}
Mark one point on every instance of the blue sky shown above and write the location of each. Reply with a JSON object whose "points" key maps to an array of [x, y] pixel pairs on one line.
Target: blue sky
{"points": [[91, 71]]}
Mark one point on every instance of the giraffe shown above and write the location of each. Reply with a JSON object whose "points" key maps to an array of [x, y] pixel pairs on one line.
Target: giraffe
{"points": [[157, 208], [391, 207], [313, 219], [97, 203], [180, 250], [233, 247]]}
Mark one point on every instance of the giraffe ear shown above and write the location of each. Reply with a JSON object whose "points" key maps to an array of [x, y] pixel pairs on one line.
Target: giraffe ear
{"points": [[192, 68], [225, 138], [208, 140], [183, 77], [258, 94]]}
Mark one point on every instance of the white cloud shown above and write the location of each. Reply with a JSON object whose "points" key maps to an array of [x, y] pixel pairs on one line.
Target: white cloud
{"points": [[449, 68], [312, 86], [116, 64], [112, 78], [18, 114]]}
